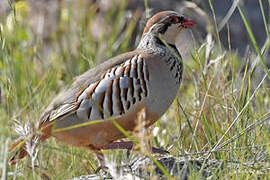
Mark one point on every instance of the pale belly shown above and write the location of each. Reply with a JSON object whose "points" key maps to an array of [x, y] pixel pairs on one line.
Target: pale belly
{"points": [[99, 134]]}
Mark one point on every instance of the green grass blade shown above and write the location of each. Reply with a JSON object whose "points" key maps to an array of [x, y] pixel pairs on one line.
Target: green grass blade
{"points": [[264, 19], [254, 42], [215, 23], [190, 128]]}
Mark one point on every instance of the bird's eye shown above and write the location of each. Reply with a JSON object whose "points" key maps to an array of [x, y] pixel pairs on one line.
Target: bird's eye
{"points": [[174, 20]]}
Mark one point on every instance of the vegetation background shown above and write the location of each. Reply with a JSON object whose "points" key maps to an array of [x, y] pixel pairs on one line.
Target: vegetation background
{"points": [[221, 113]]}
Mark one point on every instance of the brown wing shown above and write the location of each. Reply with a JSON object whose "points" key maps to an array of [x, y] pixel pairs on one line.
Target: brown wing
{"points": [[65, 102]]}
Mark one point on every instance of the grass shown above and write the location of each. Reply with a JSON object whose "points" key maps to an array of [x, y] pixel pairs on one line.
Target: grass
{"points": [[217, 115]]}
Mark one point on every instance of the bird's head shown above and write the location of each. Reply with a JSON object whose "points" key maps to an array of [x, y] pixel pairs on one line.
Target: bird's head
{"points": [[167, 25]]}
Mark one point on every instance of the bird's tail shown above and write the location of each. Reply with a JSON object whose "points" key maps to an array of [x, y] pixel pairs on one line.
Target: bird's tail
{"points": [[19, 150], [28, 141]]}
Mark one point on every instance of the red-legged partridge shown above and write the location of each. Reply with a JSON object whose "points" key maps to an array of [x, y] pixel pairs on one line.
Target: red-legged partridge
{"points": [[147, 78]]}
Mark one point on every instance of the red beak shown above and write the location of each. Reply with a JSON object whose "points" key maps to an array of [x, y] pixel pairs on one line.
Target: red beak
{"points": [[187, 23]]}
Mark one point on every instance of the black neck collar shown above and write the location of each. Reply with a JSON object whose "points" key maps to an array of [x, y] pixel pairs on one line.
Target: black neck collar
{"points": [[172, 46], [158, 41]]}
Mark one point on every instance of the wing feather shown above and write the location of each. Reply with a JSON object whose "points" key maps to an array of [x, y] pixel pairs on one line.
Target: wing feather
{"points": [[67, 101]]}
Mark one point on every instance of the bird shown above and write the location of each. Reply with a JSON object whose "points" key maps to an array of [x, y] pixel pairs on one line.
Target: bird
{"points": [[146, 78]]}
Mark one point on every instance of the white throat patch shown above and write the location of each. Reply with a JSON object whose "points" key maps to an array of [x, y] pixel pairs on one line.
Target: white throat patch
{"points": [[171, 33]]}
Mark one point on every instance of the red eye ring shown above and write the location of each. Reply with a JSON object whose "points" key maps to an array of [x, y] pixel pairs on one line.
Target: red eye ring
{"points": [[173, 20]]}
